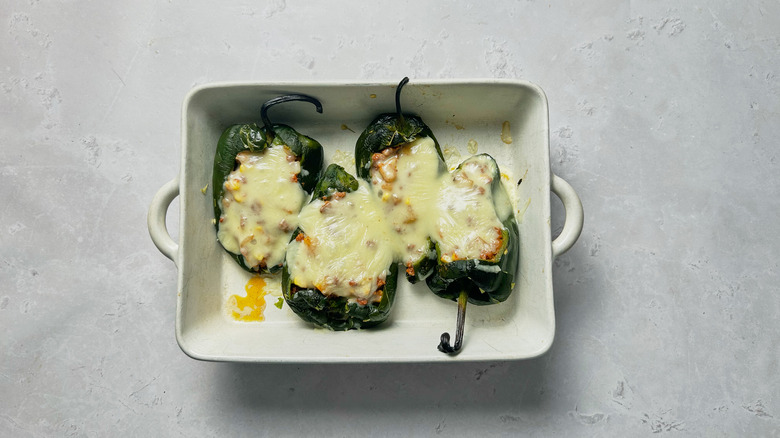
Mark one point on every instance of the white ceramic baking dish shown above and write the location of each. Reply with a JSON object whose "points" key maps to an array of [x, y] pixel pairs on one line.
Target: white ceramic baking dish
{"points": [[458, 111]]}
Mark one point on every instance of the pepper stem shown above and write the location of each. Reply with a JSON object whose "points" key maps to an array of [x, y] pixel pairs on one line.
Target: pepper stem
{"points": [[282, 99], [401, 84], [444, 345]]}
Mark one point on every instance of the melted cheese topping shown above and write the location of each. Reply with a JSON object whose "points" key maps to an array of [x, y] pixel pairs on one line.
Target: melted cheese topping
{"points": [[469, 225], [405, 179], [260, 206], [345, 248], [457, 209]]}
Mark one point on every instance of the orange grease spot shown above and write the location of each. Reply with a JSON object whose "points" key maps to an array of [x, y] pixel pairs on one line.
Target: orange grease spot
{"points": [[249, 308]]}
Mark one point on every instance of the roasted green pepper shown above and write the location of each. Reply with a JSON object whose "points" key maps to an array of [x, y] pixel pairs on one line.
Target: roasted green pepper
{"points": [[300, 156], [339, 272], [398, 154], [477, 241]]}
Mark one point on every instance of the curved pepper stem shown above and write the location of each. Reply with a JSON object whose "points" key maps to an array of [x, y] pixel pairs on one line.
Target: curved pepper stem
{"points": [[282, 99], [444, 345], [401, 84]]}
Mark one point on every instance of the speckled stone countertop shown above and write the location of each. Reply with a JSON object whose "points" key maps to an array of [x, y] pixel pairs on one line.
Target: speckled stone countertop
{"points": [[665, 117]]}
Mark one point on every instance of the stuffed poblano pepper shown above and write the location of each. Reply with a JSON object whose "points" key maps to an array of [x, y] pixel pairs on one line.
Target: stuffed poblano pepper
{"points": [[398, 154], [476, 240], [260, 181], [340, 271]]}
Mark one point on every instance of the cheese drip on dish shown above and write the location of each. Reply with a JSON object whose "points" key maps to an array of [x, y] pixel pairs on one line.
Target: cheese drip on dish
{"points": [[260, 206], [345, 246], [405, 179], [469, 223]]}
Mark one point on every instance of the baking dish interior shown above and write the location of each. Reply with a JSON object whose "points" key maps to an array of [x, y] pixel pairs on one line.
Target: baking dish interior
{"points": [[457, 112]]}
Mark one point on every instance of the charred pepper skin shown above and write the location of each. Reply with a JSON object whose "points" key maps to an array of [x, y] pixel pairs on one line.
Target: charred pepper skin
{"points": [[251, 137], [333, 312], [393, 130]]}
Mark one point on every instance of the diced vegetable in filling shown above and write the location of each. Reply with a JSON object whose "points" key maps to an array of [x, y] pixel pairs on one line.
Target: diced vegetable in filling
{"points": [[344, 248], [260, 206]]}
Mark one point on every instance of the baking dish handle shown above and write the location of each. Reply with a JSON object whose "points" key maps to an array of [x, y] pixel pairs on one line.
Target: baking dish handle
{"points": [[158, 230], [572, 226]]}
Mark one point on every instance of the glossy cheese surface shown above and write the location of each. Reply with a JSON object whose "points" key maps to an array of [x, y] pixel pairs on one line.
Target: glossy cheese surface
{"points": [[405, 179], [260, 206], [468, 225], [345, 247]]}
